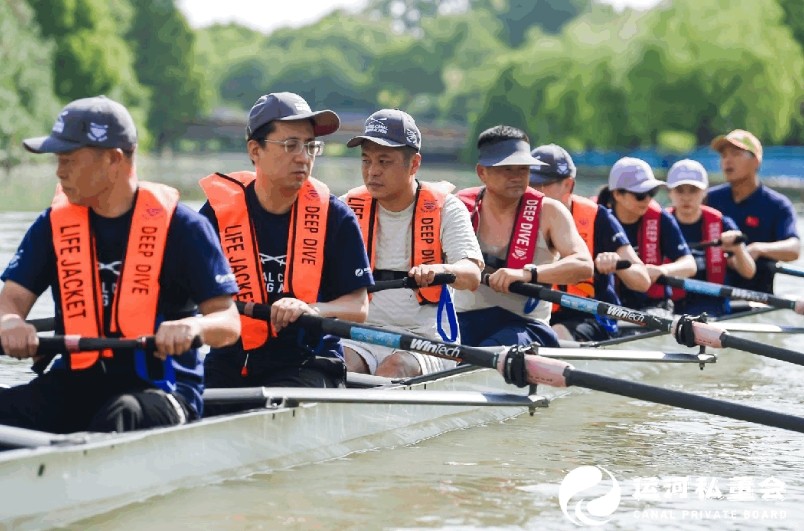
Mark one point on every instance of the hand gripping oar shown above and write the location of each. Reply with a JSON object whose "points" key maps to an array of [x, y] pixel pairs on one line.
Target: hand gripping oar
{"points": [[720, 290], [74, 343], [715, 243], [523, 369], [410, 282], [779, 267], [686, 329]]}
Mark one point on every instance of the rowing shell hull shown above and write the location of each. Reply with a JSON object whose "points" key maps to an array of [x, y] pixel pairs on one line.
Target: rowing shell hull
{"points": [[55, 485]]}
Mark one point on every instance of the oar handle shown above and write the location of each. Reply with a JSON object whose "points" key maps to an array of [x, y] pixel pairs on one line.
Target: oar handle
{"points": [[621, 264], [715, 243], [43, 324], [410, 282], [721, 290], [74, 343]]}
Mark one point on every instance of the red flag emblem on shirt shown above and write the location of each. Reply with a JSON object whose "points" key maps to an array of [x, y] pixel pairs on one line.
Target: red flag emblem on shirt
{"points": [[752, 221]]}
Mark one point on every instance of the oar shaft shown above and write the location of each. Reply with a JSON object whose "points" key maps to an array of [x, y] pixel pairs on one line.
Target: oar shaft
{"points": [[683, 400], [410, 282], [71, 343], [779, 267], [43, 324], [715, 243], [719, 290]]}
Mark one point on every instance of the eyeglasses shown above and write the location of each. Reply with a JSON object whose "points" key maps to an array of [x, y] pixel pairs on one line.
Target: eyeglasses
{"points": [[295, 146], [641, 196]]}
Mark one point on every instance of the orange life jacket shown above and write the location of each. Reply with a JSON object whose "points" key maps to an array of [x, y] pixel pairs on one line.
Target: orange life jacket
{"points": [[137, 293], [711, 229], [305, 250], [425, 236], [525, 234], [584, 212]]}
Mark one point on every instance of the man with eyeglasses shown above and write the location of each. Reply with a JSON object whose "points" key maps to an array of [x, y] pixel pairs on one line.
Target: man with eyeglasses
{"points": [[652, 231], [765, 216], [411, 229], [291, 244], [605, 239]]}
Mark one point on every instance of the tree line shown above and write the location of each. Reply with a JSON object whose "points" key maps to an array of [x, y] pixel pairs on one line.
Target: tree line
{"points": [[573, 72]]}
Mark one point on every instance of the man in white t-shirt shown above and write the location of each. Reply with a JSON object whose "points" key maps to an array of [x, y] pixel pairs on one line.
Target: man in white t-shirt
{"points": [[410, 228]]}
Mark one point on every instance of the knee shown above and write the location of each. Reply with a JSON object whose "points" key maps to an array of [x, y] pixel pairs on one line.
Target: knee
{"points": [[354, 361], [398, 365], [123, 413]]}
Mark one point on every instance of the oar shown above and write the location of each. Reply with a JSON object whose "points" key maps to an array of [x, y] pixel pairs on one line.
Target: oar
{"points": [[74, 343], [714, 243], [685, 328], [293, 396], [526, 369], [779, 267], [713, 289], [410, 282], [44, 324]]}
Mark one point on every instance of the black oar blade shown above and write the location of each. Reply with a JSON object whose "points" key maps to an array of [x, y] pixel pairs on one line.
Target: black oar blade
{"points": [[683, 400]]}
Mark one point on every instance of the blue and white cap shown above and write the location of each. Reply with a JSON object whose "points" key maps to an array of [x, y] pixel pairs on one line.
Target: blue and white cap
{"points": [[557, 164], [88, 122], [391, 128]]}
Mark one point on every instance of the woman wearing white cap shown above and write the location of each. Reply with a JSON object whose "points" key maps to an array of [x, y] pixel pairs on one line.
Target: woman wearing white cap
{"points": [[652, 231], [688, 181]]}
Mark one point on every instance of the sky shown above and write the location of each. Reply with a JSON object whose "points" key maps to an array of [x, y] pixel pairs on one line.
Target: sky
{"points": [[268, 15]]}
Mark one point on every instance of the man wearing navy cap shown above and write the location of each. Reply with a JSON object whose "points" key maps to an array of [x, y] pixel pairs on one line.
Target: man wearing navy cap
{"points": [[411, 228], [605, 239], [123, 259], [524, 236], [291, 244]]}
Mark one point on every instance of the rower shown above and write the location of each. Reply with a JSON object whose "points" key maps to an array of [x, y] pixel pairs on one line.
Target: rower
{"points": [[122, 257], [291, 244], [766, 217], [525, 237], [652, 231], [411, 228], [605, 239], [724, 264]]}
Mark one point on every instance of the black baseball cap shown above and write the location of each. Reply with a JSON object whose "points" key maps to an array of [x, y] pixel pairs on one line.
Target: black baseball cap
{"points": [[88, 122], [556, 164], [287, 107], [391, 128]]}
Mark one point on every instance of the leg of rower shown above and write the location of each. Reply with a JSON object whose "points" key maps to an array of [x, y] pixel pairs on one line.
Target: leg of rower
{"points": [[354, 361], [562, 332], [150, 408], [400, 364]]}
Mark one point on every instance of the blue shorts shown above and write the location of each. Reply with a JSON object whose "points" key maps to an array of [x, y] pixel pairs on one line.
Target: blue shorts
{"points": [[491, 327]]}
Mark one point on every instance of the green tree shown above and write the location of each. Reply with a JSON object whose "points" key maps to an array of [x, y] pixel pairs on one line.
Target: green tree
{"points": [[165, 61], [26, 81], [91, 57]]}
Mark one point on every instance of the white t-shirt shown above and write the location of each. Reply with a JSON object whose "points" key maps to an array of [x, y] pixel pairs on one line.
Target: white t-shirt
{"points": [[485, 297]]}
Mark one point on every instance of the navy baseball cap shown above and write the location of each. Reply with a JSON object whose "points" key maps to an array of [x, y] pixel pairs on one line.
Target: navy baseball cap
{"points": [[391, 128], [287, 107], [512, 152], [88, 122], [557, 165]]}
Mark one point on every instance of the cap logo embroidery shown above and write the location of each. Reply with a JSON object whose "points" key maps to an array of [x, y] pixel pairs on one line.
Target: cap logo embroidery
{"points": [[58, 127], [374, 125], [98, 132], [562, 168], [411, 136]]}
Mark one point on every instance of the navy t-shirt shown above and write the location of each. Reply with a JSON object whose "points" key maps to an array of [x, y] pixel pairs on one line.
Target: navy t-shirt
{"points": [[194, 270], [609, 236], [346, 269], [672, 246], [694, 303], [764, 216]]}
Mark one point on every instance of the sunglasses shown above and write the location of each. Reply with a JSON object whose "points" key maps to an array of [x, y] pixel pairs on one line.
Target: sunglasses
{"points": [[641, 196]]}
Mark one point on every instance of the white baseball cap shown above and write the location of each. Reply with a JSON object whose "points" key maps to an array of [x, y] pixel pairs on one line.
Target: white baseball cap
{"points": [[687, 171], [633, 175]]}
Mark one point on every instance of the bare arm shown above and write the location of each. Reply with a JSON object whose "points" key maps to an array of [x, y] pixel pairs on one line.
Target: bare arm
{"points": [[683, 267], [740, 259], [575, 263], [217, 326], [635, 277], [784, 250], [17, 337]]}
